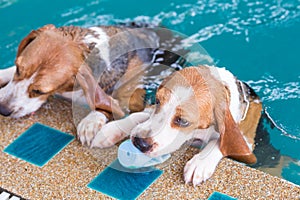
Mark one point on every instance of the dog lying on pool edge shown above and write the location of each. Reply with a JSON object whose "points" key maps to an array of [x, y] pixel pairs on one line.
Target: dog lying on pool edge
{"points": [[65, 61], [50, 60], [223, 113], [206, 104], [54, 60]]}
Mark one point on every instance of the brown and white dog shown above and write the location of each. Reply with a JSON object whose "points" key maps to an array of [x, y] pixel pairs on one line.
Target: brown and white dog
{"points": [[54, 60], [205, 104]]}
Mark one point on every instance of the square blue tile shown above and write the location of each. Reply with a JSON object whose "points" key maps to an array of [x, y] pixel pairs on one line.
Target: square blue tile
{"points": [[38, 144], [220, 196], [121, 183]]}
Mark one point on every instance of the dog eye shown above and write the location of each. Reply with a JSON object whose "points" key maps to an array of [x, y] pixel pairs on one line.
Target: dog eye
{"points": [[181, 122], [157, 102], [39, 92]]}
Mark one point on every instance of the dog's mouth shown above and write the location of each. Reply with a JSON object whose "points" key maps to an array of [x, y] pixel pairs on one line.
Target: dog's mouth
{"points": [[19, 113]]}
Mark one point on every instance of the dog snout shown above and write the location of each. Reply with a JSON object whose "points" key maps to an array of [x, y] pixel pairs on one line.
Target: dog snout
{"points": [[143, 144], [5, 111]]}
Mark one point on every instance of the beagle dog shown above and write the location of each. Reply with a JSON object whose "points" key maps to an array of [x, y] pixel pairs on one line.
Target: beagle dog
{"points": [[204, 104], [93, 65]]}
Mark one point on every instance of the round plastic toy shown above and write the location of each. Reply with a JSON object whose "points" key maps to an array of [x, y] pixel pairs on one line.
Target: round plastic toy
{"points": [[131, 157]]}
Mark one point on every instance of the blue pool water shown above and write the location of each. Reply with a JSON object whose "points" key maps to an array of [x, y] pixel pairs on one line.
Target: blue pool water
{"points": [[257, 40]]}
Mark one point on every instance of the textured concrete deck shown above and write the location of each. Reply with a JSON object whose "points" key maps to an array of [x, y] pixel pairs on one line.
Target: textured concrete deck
{"points": [[68, 173]]}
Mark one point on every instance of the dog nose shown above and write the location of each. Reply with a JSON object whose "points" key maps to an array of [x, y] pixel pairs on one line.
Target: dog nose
{"points": [[5, 111], [143, 144]]}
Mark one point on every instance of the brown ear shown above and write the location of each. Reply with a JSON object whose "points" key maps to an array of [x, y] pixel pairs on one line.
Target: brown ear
{"points": [[26, 41], [31, 36], [95, 96], [232, 142]]}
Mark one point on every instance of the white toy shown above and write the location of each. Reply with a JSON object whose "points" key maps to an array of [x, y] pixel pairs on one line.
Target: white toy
{"points": [[131, 157]]}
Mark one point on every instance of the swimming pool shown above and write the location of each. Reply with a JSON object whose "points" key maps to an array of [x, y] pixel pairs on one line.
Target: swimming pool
{"points": [[257, 40]]}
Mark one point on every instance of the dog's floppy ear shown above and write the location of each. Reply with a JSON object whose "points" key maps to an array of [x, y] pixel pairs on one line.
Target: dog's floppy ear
{"points": [[232, 142], [31, 36], [95, 96]]}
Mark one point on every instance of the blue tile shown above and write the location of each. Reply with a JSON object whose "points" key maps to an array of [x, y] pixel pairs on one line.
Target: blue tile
{"points": [[38, 144], [220, 196], [121, 183]]}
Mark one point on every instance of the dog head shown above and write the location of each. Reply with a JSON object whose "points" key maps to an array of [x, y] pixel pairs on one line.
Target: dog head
{"points": [[190, 104], [48, 61]]}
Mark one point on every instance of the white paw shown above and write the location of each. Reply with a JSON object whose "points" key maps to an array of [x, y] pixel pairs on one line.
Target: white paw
{"points": [[115, 131], [199, 169], [202, 166], [89, 126], [109, 135]]}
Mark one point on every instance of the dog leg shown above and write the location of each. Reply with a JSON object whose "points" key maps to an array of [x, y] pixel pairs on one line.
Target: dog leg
{"points": [[75, 96], [89, 126], [6, 75], [202, 166], [115, 131]]}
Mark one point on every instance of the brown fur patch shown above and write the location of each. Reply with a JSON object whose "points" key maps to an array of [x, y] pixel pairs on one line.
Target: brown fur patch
{"points": [[128, 91], [232, 143], [136, 101], [249, 125]]}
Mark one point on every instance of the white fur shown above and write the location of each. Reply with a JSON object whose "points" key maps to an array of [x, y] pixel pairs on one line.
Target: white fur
{"points": [[227, 78], [75, 96], [202, 166], [115, 131], [6, 75], [102, 43], [205, 135], [15, 95], [89, 126], [181, 94]]}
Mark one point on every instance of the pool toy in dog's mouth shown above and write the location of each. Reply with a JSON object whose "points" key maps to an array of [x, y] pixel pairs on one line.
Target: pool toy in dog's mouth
{"points": [[131, 157]]}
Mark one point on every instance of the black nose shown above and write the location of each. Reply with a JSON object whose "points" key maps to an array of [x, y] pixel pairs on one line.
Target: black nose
{"points": [[5, 111], [143, 144]]}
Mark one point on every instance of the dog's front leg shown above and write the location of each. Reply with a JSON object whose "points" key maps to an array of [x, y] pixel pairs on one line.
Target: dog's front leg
{"points": [[6, 75], [76, 96], [202, 166], [115, 131], [89, 126]]}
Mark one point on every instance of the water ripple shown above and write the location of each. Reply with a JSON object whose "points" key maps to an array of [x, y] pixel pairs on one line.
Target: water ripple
{"points": [[272, 89], [235, 17], [238, 17], [6, 3]]}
